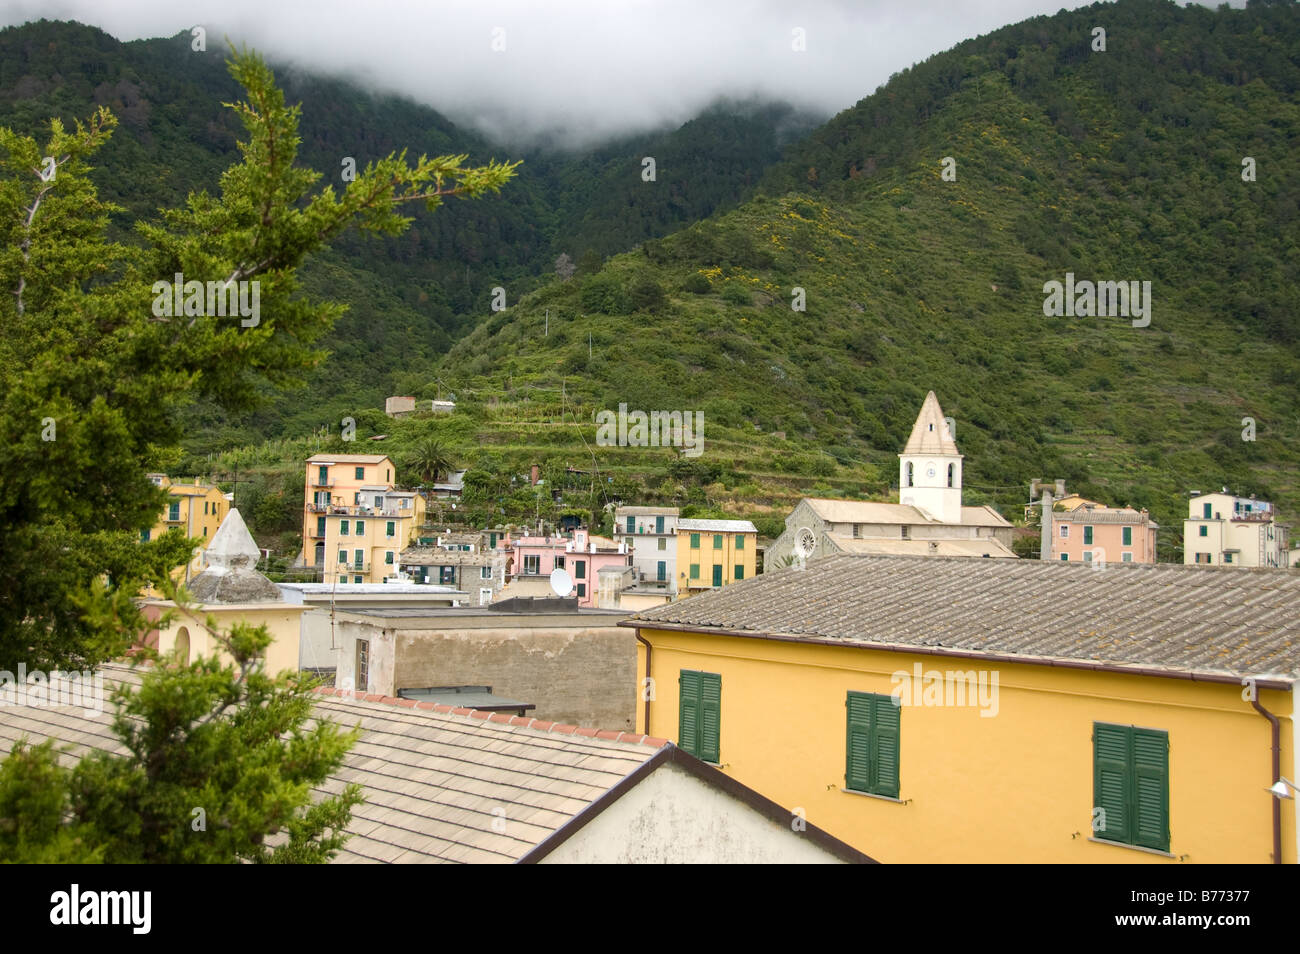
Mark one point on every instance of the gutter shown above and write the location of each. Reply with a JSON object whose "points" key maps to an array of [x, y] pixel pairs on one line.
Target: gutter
{"points": [[1275, 773], [648, 650], [1282, 685]]}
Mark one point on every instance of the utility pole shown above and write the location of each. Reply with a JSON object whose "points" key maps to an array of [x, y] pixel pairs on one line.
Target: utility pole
{"points": [[546, 328]]}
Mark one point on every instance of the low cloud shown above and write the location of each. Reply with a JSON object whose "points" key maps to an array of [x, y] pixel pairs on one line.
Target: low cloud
{"points": [[574, 71]]}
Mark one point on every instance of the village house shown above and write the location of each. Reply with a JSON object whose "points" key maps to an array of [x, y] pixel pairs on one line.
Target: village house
{"points": [[355, 520], [582, 556], [571, 663], [318, 645], [928, 520], [957, 710], [714, 553], [196, 510], [1226, 530], [650, 535], [462, 560], [1089, 532]]}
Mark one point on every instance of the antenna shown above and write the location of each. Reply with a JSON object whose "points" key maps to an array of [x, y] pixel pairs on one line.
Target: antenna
{"points": [[561, 583]]}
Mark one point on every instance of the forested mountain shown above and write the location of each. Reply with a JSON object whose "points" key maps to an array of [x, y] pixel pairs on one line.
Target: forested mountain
{"points": [[1122, 164], [1165, 153], [410, 297]]}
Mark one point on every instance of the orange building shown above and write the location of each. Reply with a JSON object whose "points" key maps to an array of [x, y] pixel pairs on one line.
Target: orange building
{"points": [[1094, 533]]}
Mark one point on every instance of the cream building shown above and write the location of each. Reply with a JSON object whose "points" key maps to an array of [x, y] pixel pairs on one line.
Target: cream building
{"points": [[196, 510], [1226, 530]]}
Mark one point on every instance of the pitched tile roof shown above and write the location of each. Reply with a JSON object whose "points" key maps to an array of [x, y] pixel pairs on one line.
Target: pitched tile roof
{"points": [[1104, 515], [986, 546], [717, 526], [347, 458], [441, 784], [437, 556], [1220, 623], [874, 511]]}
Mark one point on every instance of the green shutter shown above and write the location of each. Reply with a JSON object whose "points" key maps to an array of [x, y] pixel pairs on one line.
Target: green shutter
{"points": [[857, 759], [710, 715], [1128, 536], [740, 571], [688, 712], [392, 528], [1151, 788], [1111, 780], [740, 541], [695, 541], [631, 524], [884, 745], [717, 575], [1087, 534]]}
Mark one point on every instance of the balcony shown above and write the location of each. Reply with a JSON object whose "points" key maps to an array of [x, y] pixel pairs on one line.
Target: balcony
{"points": [[323, 483], [351, 510]]}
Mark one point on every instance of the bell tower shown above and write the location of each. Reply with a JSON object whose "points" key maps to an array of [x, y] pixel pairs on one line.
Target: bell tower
{"points": [[929, 469]]}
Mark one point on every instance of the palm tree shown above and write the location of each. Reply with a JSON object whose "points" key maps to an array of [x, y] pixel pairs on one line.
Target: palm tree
{"points": [[429, 459]]}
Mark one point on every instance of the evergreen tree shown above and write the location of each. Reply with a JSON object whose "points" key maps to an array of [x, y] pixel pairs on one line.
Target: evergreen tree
{"points": [[97, 360], [220, 764]]}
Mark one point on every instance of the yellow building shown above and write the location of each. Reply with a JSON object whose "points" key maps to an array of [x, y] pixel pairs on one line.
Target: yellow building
{"points": [[714, 553], [355, 522], [230, 590], [929, 709], [196, 510]]}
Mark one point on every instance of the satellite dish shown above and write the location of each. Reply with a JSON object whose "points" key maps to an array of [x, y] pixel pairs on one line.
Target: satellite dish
{"points": [[561, 583]]}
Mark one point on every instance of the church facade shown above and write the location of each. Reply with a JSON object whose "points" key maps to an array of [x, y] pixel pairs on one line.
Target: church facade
{"points": [[928, 520]]}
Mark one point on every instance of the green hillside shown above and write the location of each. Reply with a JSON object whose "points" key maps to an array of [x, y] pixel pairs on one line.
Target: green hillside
{"points": [[409, 297], [1116, 165]]}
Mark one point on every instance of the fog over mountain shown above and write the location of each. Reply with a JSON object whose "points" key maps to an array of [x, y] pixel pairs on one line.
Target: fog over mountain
{"points": [[578, 71]]}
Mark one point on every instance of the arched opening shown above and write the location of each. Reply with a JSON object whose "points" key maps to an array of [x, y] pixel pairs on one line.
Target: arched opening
{"points": [[952, 469], [183, 646], [909, 473]]}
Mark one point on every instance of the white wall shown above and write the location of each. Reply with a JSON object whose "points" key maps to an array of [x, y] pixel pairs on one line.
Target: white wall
{"points": [[672, 817]]}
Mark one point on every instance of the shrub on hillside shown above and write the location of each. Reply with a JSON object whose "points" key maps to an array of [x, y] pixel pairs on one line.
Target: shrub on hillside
{"points": [[697, 284], [603, 293]]}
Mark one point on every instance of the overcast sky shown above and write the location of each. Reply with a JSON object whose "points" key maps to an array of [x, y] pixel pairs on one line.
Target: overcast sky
{"points": [[579, 69]]}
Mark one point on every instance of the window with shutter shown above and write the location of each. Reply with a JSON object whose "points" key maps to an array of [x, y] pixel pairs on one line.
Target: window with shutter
{"points": [[872, 744], [1131, 785], [700, 714], [688, 712]]}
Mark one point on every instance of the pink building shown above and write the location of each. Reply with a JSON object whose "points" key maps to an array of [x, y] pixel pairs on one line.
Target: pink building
{"points": [[1095, 533], [582, 556]]}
